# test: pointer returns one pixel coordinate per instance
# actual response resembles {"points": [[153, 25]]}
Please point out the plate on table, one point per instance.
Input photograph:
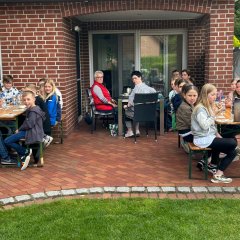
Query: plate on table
{"points": [[223, 120], [21, 106]]}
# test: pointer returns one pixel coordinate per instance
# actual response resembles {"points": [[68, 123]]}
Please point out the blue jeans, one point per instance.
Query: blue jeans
{"points": [[12, 140], [3, 149]]}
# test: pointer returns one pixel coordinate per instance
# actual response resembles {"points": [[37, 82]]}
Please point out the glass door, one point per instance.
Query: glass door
{"points": [[159, 56]]}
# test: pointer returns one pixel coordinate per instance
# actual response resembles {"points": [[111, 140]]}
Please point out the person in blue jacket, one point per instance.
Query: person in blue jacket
{"points": [[52, 102]]}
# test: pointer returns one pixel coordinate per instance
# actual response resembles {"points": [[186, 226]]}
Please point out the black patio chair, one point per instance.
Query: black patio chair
{"points": [[95, 113], [144, 111]]}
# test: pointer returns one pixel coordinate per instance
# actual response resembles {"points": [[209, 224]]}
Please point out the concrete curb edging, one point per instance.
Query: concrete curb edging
{"points": [[118, 190]]}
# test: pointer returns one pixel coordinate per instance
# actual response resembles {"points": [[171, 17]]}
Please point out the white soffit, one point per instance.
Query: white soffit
{"points": [[137, 15]]}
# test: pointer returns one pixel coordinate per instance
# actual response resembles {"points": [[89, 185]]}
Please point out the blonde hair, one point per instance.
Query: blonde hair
{"points": [[31, 87], [203, 98], [51, 82], [28, 92]]}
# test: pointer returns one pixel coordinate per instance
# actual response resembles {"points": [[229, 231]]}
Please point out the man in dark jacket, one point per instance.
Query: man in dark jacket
{"points": [[31, 129]]}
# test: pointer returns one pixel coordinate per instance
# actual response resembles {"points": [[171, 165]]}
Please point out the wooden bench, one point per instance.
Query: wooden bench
{"points": [[192, 149]]}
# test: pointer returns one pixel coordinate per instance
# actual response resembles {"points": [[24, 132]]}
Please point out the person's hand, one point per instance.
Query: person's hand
{"points": [[218, 135], [16, 131], [114, 105], [113, 101], [125, 106], [228, 102]]}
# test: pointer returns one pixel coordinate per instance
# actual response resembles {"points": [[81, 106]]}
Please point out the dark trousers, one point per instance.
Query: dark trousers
{"points": [[223, 145]]}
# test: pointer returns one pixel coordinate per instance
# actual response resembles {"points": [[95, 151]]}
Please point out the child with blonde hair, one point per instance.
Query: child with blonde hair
{"points": [[205, 133]]}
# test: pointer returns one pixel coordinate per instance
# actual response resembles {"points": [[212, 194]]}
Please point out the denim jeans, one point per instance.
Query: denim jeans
{"points": [[12, 140], [3, 149]]}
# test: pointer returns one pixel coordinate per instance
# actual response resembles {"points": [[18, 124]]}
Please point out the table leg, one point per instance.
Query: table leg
{"points": [[120, 123], [161, 117]]}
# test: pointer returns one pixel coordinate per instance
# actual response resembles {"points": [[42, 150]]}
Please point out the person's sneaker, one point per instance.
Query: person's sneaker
{"points": [[201, 164], [8, 161], [47, 140], [236, 158], [129, 134], [137, 133], [212, 168], [221, 179], [237, 149], [26, 158]]}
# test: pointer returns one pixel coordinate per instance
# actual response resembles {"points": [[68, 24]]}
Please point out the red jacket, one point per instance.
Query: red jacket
{"points": [[99, 105]]}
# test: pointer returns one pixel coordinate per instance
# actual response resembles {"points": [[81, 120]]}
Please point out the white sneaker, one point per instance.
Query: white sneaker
{"points": [[25, 159], [220, 179], [137, 133], [129, 134], [47, 140]]}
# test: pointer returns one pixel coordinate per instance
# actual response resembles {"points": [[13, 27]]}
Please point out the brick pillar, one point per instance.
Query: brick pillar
{"points": [[219, 49]]}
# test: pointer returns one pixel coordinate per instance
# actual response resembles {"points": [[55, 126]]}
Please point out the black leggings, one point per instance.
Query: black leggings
{"points": [[223, 145]]}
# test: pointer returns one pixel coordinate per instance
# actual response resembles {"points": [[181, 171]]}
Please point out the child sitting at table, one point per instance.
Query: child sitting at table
{"points": [[52, 101], [205, 133], [9, 93], [31, 130]]}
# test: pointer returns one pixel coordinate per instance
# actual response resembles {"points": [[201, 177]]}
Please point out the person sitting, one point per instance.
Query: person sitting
{"points": [[205, 133], [9, 93], [41, 83], [101, 96], [46, 123], [31, 130], [140, 87], [52, 102], [184, 112]]}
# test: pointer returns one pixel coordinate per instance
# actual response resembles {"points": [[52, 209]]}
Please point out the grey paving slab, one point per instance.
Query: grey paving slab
{"points": [[109, 189], [215, 189], [138, 189], [153, 189], [54, 193], [82, 191], [5, 201], [68, 192], [123, 190], [23, 198], [96, 190], [168, 189], [199, 189], [184, 189], [39, 195]]}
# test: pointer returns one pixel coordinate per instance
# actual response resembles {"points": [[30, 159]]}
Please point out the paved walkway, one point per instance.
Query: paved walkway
{"points": [[90, 161]]}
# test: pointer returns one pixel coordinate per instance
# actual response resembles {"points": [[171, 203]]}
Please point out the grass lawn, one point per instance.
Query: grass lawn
{"points": [[123, 219]]}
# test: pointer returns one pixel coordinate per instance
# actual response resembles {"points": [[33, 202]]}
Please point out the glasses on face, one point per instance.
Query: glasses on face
{"points": [[99, 77]]}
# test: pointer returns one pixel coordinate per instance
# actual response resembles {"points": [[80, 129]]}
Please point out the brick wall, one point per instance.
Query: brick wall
{"points": [[37, 41]]}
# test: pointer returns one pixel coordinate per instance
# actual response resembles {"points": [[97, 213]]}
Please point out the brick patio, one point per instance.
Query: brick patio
{"points": [[98, 160]]}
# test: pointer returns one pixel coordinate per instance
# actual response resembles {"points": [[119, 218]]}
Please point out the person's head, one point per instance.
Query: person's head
{"points": [[28, 98], [49, 87], [175, 74], [173, 84], [98, 76], [233, 84], [179, 83], [41, 83], [31, 87], [190, 93], [186, 74], [7, 81], [208, 95], [237, 87], [136, 77]]}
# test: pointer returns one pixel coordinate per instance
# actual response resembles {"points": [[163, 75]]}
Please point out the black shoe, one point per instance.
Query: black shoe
{"points": [[8, 161], [201, 165]]}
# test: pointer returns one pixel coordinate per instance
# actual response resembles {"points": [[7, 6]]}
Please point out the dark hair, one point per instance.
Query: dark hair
{"points": [[136, 73], [238, 81], [175, 70], [179, 81], [187, 71], [7, 78], [187, 87]]}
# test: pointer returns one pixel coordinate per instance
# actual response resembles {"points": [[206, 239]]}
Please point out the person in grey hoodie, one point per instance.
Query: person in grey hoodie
{"points": [[205, 133], [31, 130]]}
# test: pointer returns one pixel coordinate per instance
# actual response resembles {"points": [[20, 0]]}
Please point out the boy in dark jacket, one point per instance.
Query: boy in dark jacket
{"points": [[31, 129]]}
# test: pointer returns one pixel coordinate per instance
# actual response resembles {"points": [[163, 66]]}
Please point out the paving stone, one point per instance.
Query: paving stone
{"points": [[215, 189], [199, 189], [82, 191], [138, 189], [153, 189], [184, 189], [109, 189], [54, 193], [96, 190], [5, 201], [123, 190], [168, 189], [23, 198], [68, 192], [39, 195], [229, 189]]}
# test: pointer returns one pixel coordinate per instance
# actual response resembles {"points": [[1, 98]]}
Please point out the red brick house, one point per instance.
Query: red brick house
{"points": [[68, 40]]}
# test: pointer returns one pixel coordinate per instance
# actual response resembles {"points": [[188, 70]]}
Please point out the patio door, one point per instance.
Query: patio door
{"points": [[159, 56], [156, 54], [114, 55]]}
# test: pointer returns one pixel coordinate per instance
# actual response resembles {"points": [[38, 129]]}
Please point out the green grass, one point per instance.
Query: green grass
{"points": [[123, 219]]}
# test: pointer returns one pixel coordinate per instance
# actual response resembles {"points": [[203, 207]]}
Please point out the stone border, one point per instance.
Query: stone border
{"points": [[120, 191]]}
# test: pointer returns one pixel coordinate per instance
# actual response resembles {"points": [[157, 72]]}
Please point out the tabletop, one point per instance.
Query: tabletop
{"points": [[11, 112]]}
